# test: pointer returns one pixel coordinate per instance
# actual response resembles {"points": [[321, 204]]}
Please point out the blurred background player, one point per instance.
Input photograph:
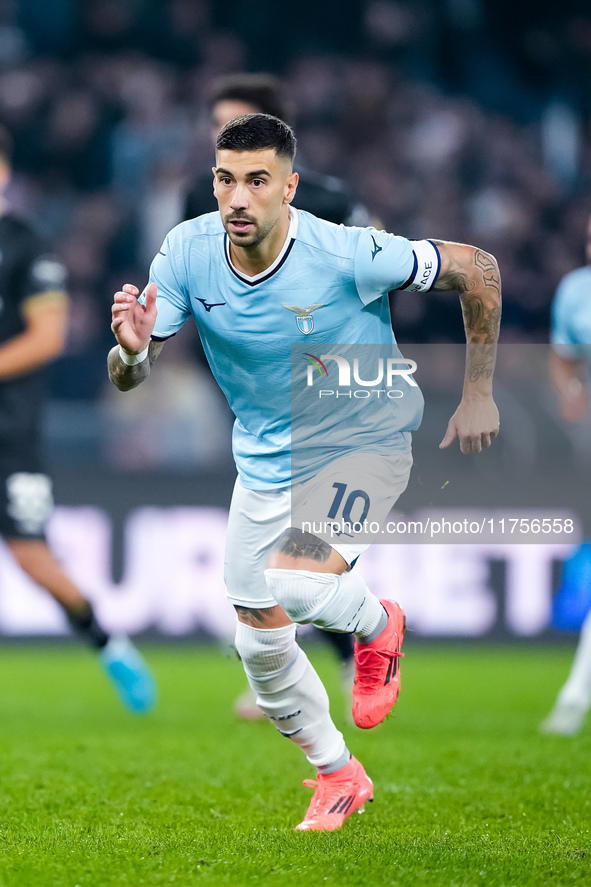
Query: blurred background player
{"points": [[33, 325], [570, 363], [324, 196]]}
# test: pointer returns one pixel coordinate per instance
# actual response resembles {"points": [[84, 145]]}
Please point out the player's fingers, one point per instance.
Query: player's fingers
{"points": [[450, 436], [485, 441], [470, 445], [130, 288], [123, 297], [151, 292]]}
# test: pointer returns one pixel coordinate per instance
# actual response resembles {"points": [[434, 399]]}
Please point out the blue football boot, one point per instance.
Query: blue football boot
{"points": [[129, 674]]}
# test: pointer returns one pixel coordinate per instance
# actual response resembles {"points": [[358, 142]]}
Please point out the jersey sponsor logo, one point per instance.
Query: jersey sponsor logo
{"points": [[209, 305], [304, 319], [376, 249]]}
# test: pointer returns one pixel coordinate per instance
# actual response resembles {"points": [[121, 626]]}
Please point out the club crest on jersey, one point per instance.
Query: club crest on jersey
{"points": [[304, 319]]}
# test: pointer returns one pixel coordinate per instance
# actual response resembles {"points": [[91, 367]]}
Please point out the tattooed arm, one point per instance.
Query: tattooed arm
{"points": [[475, 275], [133, 323], [126, 377]]}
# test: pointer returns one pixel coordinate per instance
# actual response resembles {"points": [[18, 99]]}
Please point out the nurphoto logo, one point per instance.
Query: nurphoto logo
{"points": [[385, 373]]}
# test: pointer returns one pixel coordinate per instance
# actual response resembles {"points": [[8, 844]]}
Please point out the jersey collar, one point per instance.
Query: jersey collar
{"points": [[279, 261]]}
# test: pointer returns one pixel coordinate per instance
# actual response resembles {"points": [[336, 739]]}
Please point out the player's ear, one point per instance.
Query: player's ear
{"points": [[213, 169], [291, 185]]}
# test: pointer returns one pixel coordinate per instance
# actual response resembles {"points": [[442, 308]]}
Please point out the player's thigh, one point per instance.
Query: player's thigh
{"points": [[256, 521], [347, 503]]}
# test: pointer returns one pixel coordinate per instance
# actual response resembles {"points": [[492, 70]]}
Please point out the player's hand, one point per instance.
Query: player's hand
{"points": [[133, 323], [475, 423]]}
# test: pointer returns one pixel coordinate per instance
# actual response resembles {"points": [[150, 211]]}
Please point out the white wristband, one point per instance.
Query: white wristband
{"points": [[132, 359]]}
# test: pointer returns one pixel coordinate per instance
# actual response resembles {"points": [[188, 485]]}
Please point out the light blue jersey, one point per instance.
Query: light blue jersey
{"points": [[571, 315], [329, 284]]}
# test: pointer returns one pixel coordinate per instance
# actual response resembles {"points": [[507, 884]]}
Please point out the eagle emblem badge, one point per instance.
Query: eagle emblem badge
{"points": [[304, 319]]}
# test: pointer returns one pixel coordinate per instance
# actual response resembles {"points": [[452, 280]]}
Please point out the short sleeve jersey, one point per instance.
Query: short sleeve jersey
{"points": [[571, 315], [27, 269], [329, 284]]}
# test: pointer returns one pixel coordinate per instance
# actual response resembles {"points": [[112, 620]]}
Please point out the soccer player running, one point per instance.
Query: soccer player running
{"points": [[570, 363], [33, 323], [239, 273], [231, 96]]}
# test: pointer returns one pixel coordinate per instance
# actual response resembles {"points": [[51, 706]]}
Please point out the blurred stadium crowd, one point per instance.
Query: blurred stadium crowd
{"points": [[459, 120]]}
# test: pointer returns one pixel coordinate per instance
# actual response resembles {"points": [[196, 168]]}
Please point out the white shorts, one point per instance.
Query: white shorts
{"points": [[341, 498]]}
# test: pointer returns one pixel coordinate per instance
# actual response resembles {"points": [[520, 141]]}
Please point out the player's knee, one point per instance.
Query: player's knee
{"points": [[303, 594]]}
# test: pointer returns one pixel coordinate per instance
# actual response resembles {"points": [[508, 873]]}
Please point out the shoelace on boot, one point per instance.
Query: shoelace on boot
{"points": [[370, 669], [332, 794]]}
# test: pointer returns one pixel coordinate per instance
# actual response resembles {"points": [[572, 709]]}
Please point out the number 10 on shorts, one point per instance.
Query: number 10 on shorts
{"points": [[350, 502]]}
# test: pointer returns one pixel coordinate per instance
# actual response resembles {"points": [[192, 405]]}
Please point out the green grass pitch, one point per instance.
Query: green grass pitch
{"points": [[467, 793]]}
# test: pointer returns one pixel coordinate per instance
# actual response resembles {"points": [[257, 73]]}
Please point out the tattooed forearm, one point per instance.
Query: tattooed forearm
{"points": [[296, 543], [480, 363], [481, 371], [126, 377], [481, 318], [475, 275]]}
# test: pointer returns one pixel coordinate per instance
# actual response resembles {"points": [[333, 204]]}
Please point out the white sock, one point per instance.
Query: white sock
{"points": [[375, 617], [289, 691], [335, 603], [577, 689]]}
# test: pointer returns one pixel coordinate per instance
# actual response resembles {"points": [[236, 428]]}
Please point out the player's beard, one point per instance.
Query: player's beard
{"points": [[260, 232]]}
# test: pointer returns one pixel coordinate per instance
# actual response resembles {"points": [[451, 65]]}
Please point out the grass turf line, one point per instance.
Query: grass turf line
{"points": [[467, 792]]}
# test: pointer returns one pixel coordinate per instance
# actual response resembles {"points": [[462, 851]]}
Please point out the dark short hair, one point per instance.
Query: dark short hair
{"points": [[255, 132], [264, 91], [6, 145]]}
